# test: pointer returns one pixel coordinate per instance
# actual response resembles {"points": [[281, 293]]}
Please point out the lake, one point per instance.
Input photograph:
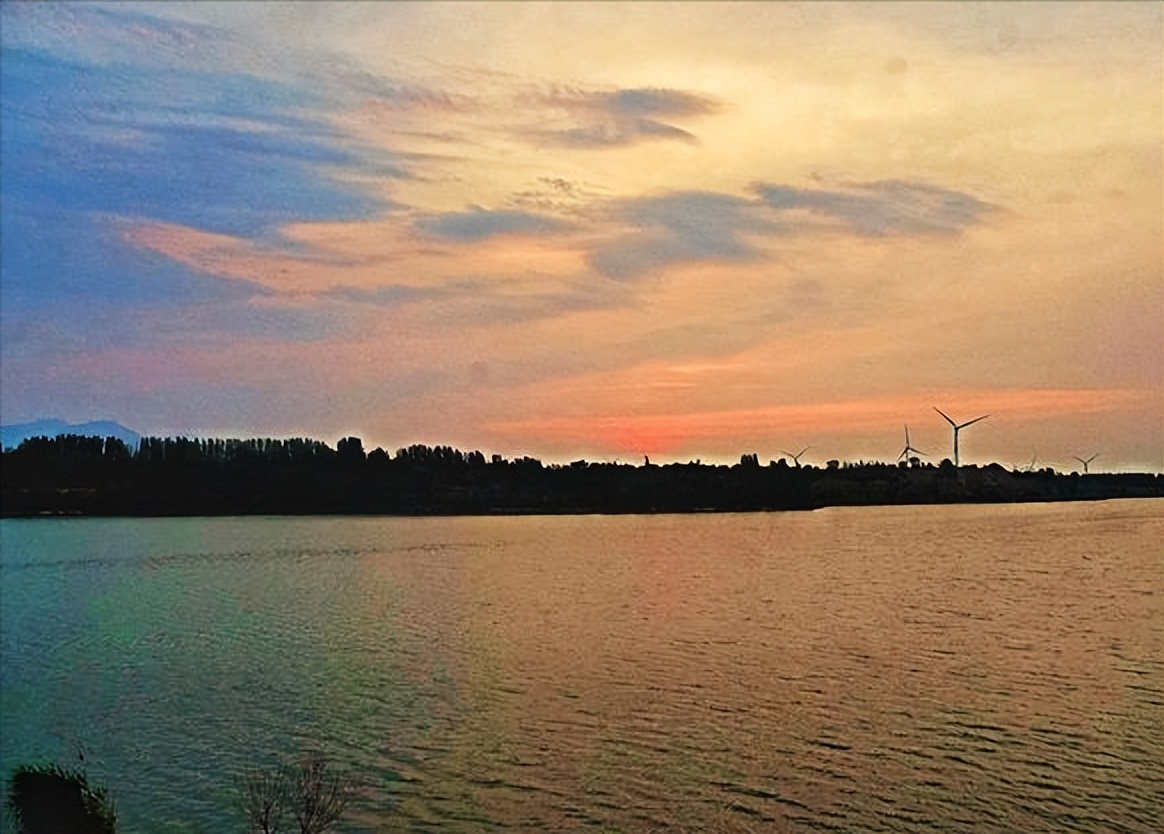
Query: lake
{"points": [[954, 668]]}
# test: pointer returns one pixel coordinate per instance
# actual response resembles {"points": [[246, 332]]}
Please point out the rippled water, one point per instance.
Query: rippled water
{"points": [[977, 668]]}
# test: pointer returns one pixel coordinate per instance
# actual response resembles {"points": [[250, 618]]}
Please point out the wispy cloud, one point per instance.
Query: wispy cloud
{"points": [[377, 90], [683, 226], [480, 224], [105, 36], [648, 102], [109, 114], [220, 151], [710, 226], [388, 295], [487, 304], [481, 291], [556, 195], [888, 207], [616, 118]]}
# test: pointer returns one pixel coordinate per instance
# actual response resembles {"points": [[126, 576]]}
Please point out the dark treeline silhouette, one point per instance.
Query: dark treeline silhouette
{"points": [[188, 476]]}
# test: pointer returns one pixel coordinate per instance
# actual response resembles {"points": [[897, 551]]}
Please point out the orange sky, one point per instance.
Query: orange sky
{"points": [[594, 230]]}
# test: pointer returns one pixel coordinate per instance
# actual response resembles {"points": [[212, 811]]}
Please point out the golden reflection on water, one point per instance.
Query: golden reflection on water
{"points": [[772, 669]]}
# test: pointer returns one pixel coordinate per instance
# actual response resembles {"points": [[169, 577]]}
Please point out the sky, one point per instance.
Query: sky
{"points": [[591, 230]]}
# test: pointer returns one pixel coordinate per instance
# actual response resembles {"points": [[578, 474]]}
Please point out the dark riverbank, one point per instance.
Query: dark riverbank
{"points": [[87, 476]]}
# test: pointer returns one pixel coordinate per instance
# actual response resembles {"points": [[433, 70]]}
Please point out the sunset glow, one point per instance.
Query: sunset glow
{"points": [[600, 230]]}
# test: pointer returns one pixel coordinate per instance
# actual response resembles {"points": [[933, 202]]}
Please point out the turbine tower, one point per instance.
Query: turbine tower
{"points": [[796, 457], [957, 428], [908, 448], [1087, 461]]}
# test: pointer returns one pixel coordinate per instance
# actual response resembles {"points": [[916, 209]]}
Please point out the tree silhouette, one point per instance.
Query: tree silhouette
{"points": [[308, 794], [350, 450]]}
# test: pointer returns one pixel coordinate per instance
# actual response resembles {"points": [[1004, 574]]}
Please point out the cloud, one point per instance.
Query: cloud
{"points": [[682, 226], [221, 151], [709, 226], [393, 93], [388, 295], [481, 224], [439, 290], [279, 267], [878, 209], [556, 194], [607, 119], [109, 115], [116, 36], [616, 133], [56, 261], [476, 301], [653, 102]]}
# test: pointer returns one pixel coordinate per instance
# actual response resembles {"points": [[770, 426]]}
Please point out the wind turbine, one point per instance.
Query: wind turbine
{"points": [[908, 448], [957, 428], [1087, 461], [796, 457]]}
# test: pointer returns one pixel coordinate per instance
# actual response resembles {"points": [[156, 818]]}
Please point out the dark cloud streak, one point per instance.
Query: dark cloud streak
{"points": [[647, 102], [611, 119], [683, 226], [879, 209], [695, 226], [614, 133]]}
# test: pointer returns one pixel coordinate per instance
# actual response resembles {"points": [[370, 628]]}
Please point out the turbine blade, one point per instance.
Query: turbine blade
{"points": [[972, 422], [948, 420]]}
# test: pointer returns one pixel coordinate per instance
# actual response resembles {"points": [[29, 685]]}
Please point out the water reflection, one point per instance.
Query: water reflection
{"points": [[785, 670], [874, 669]]}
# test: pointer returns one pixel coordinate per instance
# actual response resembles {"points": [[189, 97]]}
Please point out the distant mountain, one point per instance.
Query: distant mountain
{"points": [[12, 436]]}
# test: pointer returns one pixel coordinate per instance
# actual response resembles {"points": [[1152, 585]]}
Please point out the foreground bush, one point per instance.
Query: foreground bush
{"points": [[49, 799]]}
